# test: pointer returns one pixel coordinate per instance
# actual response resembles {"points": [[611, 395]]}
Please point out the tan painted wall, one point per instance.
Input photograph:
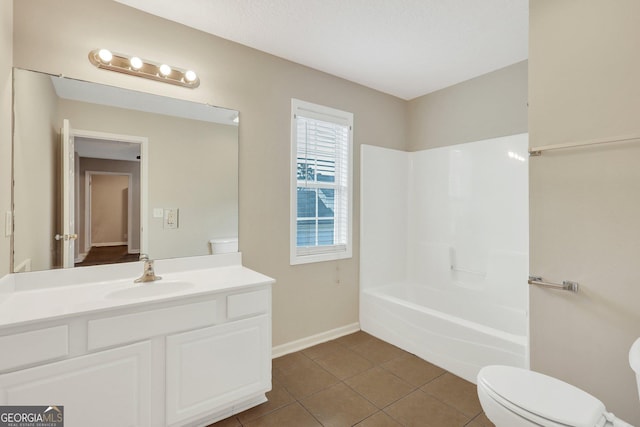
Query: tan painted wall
{"points": [[6, 54], [36, 162], [109, 206], [307, 299], [488, 106], [584, 83]]}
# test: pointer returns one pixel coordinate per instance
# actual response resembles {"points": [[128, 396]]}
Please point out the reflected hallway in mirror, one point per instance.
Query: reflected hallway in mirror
{"points": [[192, 169]]}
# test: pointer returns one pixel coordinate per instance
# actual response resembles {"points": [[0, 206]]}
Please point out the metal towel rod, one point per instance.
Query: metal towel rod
{"points": [[566, 285], [537, 151]]}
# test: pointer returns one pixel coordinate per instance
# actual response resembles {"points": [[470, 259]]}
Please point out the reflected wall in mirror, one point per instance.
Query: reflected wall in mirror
{"points": [[119, 202]]}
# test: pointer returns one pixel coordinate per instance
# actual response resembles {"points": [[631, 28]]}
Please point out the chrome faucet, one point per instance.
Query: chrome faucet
{"points": [[148, 274]]}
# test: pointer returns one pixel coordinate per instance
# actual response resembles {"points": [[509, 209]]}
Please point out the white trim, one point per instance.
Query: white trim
{"points": [[297, 259], [316, 339], [106, 244], [144, 179], [144, 196], [334, 252]]}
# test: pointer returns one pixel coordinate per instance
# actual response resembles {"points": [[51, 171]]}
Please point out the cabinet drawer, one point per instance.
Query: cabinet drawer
{"points": [[33, 347], [138, 326], [248, 303]]}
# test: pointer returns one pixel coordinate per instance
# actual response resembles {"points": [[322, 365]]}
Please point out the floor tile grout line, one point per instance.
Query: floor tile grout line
{"points": [[381, 409], [309, 412], [449, 405], [442, 401], [413, 390], [374, 364], [406, 382]]}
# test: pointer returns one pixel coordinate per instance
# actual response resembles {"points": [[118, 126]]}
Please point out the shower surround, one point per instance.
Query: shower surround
{"points": [[444, 252]]}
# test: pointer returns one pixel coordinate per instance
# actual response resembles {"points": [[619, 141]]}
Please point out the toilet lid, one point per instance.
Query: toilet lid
{"points": [[542, 395]]}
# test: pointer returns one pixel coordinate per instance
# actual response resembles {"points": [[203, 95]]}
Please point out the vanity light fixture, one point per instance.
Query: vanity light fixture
{"points": [[136, 63], [105, 56], [135, 66], [165, 70]]}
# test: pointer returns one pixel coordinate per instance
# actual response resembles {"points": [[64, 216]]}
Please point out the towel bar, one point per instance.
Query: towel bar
{"points": [[566, 285]]}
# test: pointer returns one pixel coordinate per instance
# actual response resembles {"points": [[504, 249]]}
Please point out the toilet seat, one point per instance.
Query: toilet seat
{"points": [[541, 399]]}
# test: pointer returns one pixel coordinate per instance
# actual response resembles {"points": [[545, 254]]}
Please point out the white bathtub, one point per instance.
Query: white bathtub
{"points": [[462, 335]]}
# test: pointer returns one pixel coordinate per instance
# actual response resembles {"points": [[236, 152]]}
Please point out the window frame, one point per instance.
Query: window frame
{"points": [[311, 254]]}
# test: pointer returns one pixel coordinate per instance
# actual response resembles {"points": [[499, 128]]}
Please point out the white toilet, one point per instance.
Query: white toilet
{"points": [[515, 397], [224, 245]]}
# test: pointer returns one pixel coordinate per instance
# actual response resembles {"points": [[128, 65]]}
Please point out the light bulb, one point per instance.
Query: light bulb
{"points": [[165, 70], [190, 76], [105, 55], [135, 62]]}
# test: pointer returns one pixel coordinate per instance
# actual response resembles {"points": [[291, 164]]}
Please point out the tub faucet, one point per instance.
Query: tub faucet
{"points": [[148, 275]]}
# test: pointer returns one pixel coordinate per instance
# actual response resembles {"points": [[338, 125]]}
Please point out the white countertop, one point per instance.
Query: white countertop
{"points": [[22, 301]]}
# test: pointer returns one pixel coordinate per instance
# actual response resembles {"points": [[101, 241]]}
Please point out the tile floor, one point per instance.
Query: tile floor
{"points": [[359, 380]]}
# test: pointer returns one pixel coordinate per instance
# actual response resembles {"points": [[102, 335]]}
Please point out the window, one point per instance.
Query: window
{"points": [[321, 177]]}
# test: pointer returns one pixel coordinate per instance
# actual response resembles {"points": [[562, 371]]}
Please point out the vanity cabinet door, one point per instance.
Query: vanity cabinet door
{"points": [[109, 388], [212, 369]]}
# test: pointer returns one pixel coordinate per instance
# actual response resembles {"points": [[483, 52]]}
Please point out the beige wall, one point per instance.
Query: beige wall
{"points": [[109, 205], [6, 54], [36, 162], [488, 106], [584, 69], [307, 299], [584, 83]]}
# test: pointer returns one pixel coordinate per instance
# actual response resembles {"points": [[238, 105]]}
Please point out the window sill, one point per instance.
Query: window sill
{"points": [[311, 258]]}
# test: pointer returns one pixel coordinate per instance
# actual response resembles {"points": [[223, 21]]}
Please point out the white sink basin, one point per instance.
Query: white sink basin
{"points": [[150, 289]]}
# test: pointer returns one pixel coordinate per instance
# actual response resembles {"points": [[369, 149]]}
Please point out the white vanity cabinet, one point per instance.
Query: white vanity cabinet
{"points": [[108, 388], [187, 361], [216, 368]]}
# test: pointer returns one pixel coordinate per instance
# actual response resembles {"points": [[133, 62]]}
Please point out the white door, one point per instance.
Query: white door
{"points": [[69, 235]]}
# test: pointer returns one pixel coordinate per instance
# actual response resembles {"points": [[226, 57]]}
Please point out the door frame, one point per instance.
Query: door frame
{"points": [[144, 178]]}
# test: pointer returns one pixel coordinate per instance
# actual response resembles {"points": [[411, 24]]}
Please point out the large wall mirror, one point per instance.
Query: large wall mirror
{"points": [[102, 174]]}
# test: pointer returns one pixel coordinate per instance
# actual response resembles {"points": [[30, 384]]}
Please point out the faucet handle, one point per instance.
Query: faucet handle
{"points": [[143, 257]]}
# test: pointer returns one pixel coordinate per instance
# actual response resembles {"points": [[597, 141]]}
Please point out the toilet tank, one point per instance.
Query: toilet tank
{"points": [[634, 361], [224, 245]]}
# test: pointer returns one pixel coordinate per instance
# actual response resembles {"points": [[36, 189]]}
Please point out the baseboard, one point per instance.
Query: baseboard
{"points": [[307, 342], [100, 245]]}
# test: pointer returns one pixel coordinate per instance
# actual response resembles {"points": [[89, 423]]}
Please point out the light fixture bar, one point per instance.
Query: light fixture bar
{"points": [[134, 66]]}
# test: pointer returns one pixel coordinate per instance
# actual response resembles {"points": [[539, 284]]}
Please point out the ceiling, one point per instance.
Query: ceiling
{"points": [[406, 48]]}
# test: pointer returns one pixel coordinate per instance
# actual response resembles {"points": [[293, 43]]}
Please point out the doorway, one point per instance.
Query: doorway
{"points": [[109, 181], [110, 210]]}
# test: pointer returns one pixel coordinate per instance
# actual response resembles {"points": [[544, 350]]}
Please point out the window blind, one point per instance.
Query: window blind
{"points": [[323, 179]]}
